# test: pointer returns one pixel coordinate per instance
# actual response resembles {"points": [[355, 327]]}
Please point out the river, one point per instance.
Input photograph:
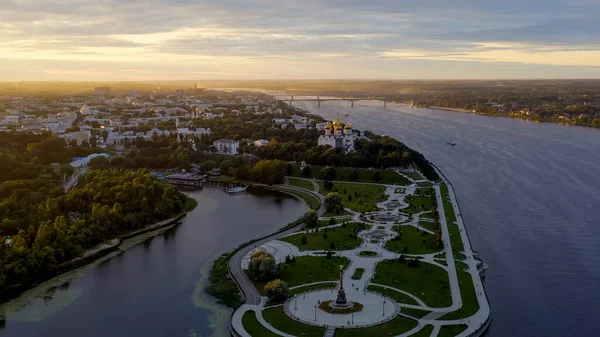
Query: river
{"points": [[530, 197], [155, 287]]}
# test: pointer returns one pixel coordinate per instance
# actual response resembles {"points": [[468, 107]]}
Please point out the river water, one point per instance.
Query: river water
{"points": [[530, 197], [155, 288]]}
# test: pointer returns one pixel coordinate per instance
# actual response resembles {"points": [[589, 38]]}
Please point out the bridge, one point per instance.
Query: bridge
{"points": [[291, 100]]}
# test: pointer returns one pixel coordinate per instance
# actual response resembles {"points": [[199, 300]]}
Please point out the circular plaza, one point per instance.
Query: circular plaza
{"points": [[376, 309]]}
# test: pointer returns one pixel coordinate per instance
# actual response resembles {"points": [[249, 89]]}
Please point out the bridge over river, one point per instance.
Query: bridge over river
{"points": [[318, 99]]}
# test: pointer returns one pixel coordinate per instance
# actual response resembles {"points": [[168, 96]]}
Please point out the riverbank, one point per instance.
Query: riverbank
{"points": [[93, 254], [554, 120]]}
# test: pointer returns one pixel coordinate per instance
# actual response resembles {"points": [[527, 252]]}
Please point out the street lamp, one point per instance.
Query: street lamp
{"points": [[383, 308], [295, 302], [352, 317], [315, 312]]}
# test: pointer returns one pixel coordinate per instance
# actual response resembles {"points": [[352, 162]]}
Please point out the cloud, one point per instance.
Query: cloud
{"points": [[216, 36]]}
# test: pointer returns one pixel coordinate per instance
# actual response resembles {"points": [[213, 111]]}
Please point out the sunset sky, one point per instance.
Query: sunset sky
{"points": [[348, 39]]}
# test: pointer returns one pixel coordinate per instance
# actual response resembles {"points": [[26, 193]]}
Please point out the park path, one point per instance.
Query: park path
{"points": [[280, 249]]}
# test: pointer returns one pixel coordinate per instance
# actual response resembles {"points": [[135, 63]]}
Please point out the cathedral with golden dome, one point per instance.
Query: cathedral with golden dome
{"points": [[338, 135]]}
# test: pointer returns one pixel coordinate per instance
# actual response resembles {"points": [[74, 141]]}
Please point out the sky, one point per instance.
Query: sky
{"points": [[98, 40]]}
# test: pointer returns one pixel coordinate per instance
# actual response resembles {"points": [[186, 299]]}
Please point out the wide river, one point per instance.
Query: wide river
{"points": [[155, 288], [530, 197]]}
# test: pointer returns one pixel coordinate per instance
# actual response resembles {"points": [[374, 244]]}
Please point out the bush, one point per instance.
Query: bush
{"points": [[276, 290]]}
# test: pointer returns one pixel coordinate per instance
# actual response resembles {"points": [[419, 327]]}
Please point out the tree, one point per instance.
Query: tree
{"points": [[276, 290], [327, 173], [209, 165], [311, 218], [333, 203], [263, 267], [327, 185], [376, 177], [307, 172], [303, 240]]}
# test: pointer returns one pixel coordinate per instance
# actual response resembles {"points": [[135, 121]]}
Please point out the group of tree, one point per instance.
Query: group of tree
{"points": [[263, 268], [105, 204]]}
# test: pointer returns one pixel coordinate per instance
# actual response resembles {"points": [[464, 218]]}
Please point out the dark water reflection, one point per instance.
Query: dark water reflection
{"points": [[530, 196], [147, 291]]}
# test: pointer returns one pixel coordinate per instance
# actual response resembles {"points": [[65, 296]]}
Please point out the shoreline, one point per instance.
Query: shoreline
{"points": [[88, 257], [550, 120]]}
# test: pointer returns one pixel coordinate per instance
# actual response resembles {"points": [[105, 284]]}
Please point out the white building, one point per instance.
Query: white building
{"points": [[338, 136], [227, 146]]}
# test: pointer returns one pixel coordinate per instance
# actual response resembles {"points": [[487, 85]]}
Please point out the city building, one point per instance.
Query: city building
{"points": [[227, 146], [338, 136]]}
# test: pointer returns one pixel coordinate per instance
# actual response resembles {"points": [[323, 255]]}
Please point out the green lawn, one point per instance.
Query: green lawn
{"points": [[456, 241], [428, 282], [448, 209], [344, 212], [394, 327], [313, 201], [428, 225], [282, 322], [415, 241], [451, 330], [418, 204], [367, 253], [299, 290], [319, 269], [358, 273], [253, 326], [395, 295], [428, 215], [414, 175], [470, 305], [337, 238], [358, 197], [415, 312], [424, 332], [302, 184], [424, 184], [366, 176]]}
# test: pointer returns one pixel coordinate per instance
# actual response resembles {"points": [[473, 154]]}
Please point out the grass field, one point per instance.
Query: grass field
{"points": [[428, 282], [394, 327], [337, 238], [428, 225], [451, 330], [415, 312], [309, 269], [253, 326], [312, 201], [456, 241], [358, 273], [424, 332], [282, 322], [366, 176], [395, 295], [302, 184], [415, 241], [413, 175], [357, 197], [424, 184], [448, 209], [418, 204], [467, 292], [299, 290]]}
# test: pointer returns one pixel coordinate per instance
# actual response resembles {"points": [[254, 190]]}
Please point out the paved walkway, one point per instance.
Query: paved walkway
{"points": [[304, 306]]}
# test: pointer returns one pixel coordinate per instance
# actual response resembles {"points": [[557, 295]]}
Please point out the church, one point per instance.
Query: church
{"points": [[338, 136]]}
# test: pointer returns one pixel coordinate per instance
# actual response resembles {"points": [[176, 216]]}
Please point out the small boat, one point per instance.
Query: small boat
{"points": [[347, 115], [238, 189], [451, 143]]}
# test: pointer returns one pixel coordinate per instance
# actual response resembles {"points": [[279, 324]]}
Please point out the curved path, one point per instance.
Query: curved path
{"points": [[252, 295]]}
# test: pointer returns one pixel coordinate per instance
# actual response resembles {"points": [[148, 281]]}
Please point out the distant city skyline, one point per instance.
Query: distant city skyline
{"points": [[84, 40]]}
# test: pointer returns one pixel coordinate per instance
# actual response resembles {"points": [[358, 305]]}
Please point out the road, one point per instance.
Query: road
{"points": [[252, 295]]}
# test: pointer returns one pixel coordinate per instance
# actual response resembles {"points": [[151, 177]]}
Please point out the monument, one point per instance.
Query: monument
{"points": [[341, 301]]}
